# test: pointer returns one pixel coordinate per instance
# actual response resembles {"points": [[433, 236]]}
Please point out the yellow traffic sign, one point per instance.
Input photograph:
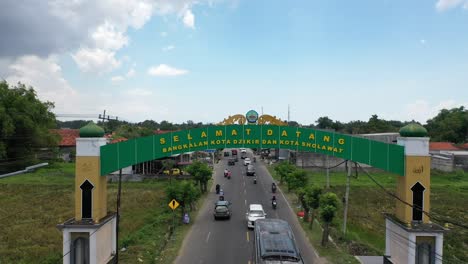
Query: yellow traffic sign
{"points": [[173, 204]]}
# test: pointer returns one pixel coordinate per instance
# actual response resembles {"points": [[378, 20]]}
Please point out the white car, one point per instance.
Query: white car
{"points": [[243, 150], [255, 212], [246, 161]]}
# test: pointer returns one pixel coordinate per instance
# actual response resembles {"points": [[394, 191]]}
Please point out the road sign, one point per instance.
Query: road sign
{"points": [[210, 150], [173, 204]]}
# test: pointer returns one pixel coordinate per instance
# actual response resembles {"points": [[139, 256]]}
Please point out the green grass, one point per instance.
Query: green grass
{"points": [[367, 203], [33, 204]]}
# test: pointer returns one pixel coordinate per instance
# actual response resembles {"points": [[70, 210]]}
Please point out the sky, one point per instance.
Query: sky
{"points": [[205, 60]]}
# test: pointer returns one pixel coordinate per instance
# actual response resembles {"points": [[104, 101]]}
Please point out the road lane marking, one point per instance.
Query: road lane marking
{"points": [[245, 191], [208, 237], [248, 240]]}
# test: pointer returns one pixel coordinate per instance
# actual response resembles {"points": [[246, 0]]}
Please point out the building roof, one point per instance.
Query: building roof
{"points": [[464, 146], [442, 146], [68, 136], [159, 131]]}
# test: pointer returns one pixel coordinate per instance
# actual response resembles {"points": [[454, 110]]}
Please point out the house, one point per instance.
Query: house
{"points": [[67, 144], [445, 156]]}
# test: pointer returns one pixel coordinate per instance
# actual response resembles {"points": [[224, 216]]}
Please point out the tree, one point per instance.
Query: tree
{"points": [[183, 192], [324, 122], [24, 126], [201, 173], [449, 125], [328, 206], [296, 179], [312, 199], [283, 169]]}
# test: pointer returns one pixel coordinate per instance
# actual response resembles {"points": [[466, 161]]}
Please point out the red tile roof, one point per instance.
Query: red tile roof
{"points": [[442, 146], [117, 140], [464, 146], [158, 132], [68, 136]]}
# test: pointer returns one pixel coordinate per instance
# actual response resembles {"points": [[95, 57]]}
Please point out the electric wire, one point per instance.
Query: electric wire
{"points": [[431, 215]]}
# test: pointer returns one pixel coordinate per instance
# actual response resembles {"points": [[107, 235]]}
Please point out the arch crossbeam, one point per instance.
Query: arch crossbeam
{"points": [[389, 157]]}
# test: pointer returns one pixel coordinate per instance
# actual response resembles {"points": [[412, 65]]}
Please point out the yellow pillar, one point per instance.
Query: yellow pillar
{"points": [[87, 175], [417, 175]]}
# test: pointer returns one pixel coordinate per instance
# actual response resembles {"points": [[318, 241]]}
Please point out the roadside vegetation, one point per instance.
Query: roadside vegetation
{"points": [[367, 204], [33, 204]]}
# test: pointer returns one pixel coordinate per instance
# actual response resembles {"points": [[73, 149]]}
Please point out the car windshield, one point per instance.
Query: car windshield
{"points": [[256, 213], [247, 159], [222, 209]]}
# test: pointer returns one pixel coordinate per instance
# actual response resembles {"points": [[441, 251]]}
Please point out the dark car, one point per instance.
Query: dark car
{"points": [[232, 162], [222, 210], [226, 154]]}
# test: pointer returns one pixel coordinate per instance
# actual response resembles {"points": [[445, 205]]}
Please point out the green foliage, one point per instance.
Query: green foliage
{"points": [[184, 192], [201, 173], [24, 126], [132, 131], [296, 179], [283, 169], [449, 125]]}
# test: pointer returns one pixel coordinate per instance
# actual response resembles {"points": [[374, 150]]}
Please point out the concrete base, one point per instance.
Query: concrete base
{"points": [[83, 240], [405, 244]]}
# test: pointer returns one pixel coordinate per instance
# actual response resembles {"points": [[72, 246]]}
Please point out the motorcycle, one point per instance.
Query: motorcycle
{"points": [[229, 176], [255, 180], [273, 188], [273, 204], [217, 188]]}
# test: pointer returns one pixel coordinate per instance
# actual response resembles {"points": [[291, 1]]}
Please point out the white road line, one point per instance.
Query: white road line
{"points": [[245, 202], [208, 237], [245, 191]]}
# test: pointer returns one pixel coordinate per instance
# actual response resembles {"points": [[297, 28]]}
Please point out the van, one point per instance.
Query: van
{"points": [[274, 242], [250, 170]]}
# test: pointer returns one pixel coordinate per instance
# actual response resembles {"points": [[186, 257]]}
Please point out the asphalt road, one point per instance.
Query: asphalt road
{"points": [[230, 241]]}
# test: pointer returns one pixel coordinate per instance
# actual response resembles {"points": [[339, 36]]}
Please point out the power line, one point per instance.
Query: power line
{"points": [[431, 215]]}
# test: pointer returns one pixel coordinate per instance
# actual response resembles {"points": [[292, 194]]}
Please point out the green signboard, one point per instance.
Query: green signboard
{"points": [[389, 157]]}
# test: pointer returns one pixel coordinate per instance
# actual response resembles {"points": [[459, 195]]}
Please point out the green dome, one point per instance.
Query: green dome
{"points": [[91, 130], [413, 130]]}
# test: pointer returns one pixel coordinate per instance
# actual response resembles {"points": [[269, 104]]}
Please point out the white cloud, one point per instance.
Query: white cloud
{"points": [[117, 78], [189, 19], [95, 60], [165, 70], [108, 37], [138, 92], [130, 73], [168, 48], [45, 76], [422, 110], [443, 5], [163, 34]]}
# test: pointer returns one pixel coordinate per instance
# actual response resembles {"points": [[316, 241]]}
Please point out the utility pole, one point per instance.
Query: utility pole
{"points": [[118, 218], [105, 117], [345, 214], [328, 172]]}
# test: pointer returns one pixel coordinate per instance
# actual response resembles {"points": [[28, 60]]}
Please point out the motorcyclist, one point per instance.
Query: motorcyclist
{"points": [[273, 187], [229, 174], [225, 172], [273, 202], [217, 188]]}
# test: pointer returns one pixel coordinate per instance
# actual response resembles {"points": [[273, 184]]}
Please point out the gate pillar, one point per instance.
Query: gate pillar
{"points": [[410, 236], [90, 236]]}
